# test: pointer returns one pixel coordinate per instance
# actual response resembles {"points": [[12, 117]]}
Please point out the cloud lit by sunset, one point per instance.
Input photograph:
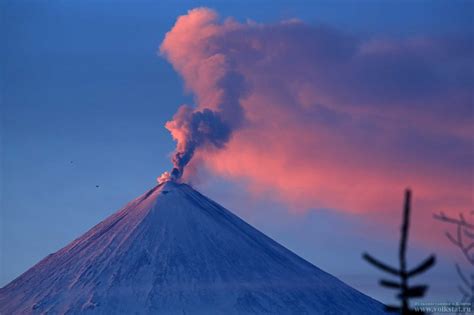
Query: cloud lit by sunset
{"points": [[332, 119]]}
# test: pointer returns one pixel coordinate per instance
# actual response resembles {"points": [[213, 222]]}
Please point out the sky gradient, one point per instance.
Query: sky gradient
{"points": [[353, 103]]}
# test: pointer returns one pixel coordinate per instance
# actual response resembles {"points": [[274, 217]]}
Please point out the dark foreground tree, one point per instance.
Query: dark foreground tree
{"points": [[464, 240], [405, 291]]}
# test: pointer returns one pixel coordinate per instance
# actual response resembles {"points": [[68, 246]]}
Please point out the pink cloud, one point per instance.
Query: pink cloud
{"points": [[330, 119]]}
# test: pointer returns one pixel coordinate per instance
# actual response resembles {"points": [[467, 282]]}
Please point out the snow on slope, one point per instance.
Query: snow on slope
{"points": [[174, 251]]}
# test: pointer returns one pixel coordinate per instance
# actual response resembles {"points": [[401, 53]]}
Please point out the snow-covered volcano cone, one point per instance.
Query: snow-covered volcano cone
{"points": [[174, 251]]}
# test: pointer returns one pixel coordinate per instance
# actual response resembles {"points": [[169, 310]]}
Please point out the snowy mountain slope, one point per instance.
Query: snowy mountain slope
{"points": [[174, 251]]}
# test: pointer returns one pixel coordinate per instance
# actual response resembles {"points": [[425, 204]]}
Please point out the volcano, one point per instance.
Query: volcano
{"points": [[174, 251]]}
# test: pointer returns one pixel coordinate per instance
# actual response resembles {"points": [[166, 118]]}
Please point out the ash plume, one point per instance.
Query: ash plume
{"points": [[321, 117], [216, 83], [206, 128], [193, 129]]}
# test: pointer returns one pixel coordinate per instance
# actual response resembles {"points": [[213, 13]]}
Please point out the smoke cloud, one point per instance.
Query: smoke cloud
{"points": [[194, 129], [325, 118], [215, 82]]}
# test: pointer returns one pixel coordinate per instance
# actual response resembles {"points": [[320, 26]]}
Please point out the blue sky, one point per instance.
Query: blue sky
{"points": [[84, 100]]}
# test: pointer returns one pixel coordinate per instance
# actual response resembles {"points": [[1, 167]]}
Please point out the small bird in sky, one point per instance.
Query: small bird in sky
{"points": [[97, 186]]}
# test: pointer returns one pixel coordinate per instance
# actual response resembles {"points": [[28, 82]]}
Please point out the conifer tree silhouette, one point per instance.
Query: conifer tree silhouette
{"points": [[406, 292]]}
